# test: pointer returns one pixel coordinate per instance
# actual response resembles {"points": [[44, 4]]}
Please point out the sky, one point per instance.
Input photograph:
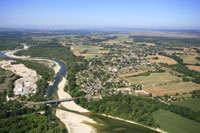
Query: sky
{"points": [[100, 13]]}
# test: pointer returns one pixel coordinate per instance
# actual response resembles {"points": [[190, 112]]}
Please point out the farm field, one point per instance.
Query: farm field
{"points": [[88, 51], [189, 59], [194, 104], [172, 122], [131, 74], [153, 79], [161, 59], [195, 68], [172, 88]]}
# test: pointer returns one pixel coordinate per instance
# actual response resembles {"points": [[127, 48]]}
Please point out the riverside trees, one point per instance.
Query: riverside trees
{"points": [[135, 108]]}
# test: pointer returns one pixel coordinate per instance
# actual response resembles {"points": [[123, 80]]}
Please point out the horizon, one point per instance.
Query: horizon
{"points": [[61, 14]]}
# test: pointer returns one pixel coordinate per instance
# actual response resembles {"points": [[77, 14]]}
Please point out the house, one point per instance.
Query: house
{"points": [[112, 69]]}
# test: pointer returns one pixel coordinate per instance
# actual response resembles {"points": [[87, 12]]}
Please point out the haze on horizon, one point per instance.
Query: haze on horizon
{"points": [[100, 13]]}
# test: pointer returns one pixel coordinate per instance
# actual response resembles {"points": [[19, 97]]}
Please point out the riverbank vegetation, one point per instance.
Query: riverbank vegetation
{"points": [[135, 108]]}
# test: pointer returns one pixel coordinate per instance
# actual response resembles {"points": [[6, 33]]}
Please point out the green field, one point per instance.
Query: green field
{"points": [[194, 104], [154, 78], [172, 122]]}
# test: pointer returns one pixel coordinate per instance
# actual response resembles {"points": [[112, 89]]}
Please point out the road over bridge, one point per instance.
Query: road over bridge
{"points": [[60, 100], [50, 102]]}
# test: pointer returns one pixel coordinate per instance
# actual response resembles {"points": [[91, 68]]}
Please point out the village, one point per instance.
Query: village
{"points": [[124, 69], [102, 75]]}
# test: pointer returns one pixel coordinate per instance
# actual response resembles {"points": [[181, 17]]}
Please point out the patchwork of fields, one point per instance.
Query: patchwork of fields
{"points": [[160, 84]]}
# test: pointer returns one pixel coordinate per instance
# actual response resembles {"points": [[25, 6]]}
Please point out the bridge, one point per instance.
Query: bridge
{"points": [[50, 102], [59, 100]]}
